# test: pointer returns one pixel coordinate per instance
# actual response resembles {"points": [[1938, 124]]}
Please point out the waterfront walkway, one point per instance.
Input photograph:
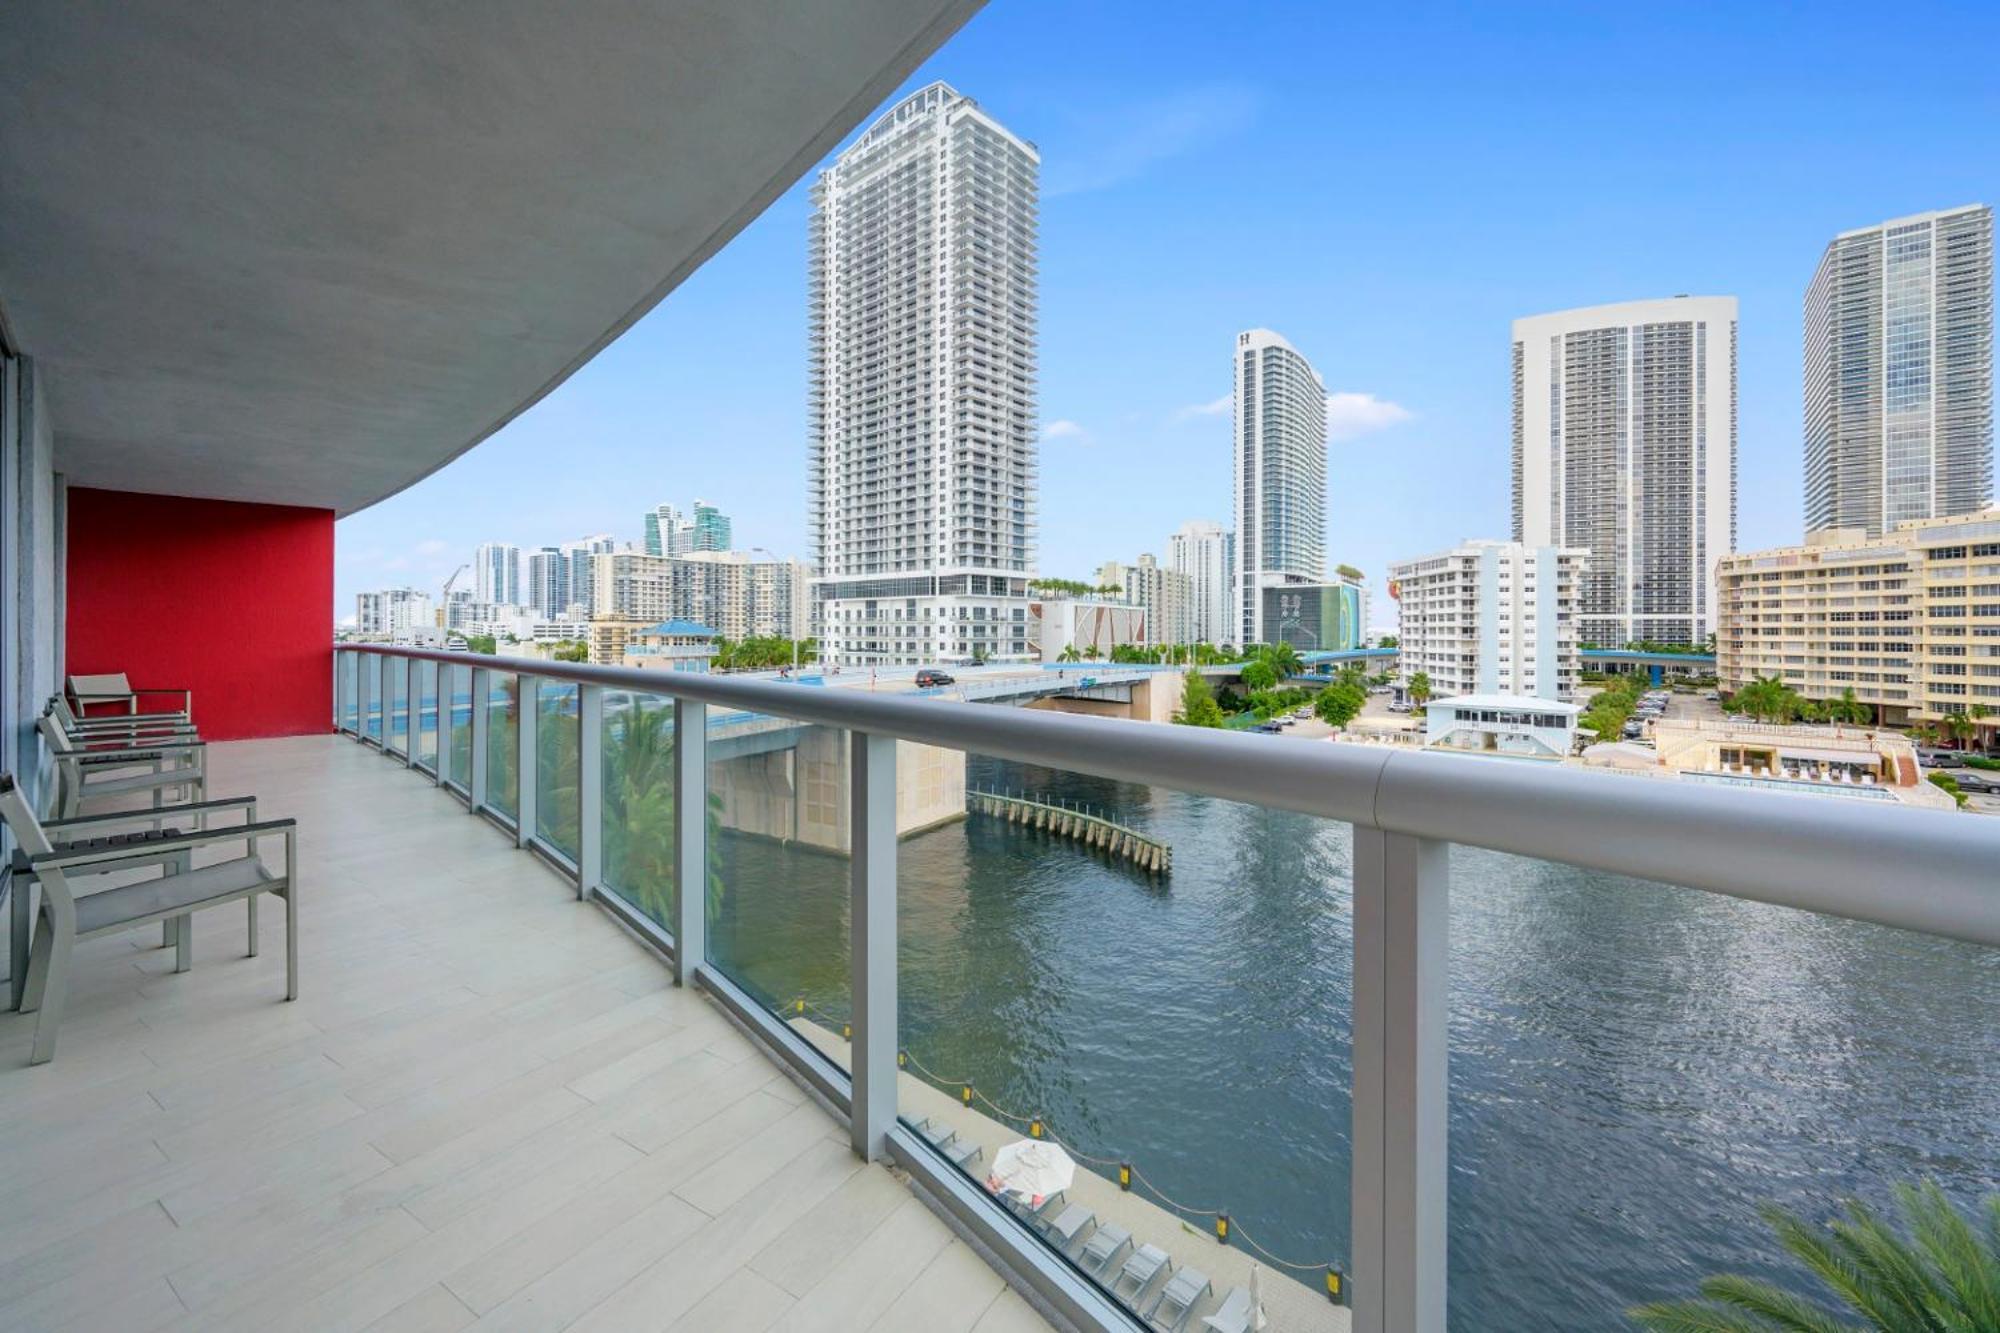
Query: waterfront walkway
{"points": [[1289, 1302]]}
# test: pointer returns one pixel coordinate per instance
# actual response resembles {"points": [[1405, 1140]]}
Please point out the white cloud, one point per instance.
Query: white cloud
{"points": [[1064, 430], [1214, 409], [432, 547], [1349, 416]]}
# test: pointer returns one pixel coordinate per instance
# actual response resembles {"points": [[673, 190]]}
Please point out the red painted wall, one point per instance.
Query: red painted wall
{"points": [[232, 600]]}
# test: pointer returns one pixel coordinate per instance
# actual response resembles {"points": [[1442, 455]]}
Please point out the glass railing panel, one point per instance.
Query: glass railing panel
{"points": [[395, 685], [372, 671], [1636, 1069], [350, 673], [458, 711], [638, 807], [777, 891], [1150, 988], [556, 760], [503, 742], [427, 714]]}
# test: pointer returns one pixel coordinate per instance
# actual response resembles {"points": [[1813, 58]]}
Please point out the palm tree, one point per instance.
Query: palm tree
{"points": [[1939, 1273], [1283, 657], [1069, 653], [1420, 689], [1959, 728], [1847, 708]]}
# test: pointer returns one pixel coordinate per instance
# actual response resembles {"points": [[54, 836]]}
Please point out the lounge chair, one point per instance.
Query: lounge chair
{"points": [[960, 1153], [1103, 1247], [1176, 1300], [179, 890], [1233, 1315], [113, 689], [1063, 1229], [1141, 1268], [1033, 1213]]}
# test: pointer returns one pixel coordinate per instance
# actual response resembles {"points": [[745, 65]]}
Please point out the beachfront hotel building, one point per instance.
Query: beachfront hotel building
{"points": [[1910, 621], [1491, 618], [1205, 552], [1279, 478], [1625, 445], [922, 452], [1899, 372]]}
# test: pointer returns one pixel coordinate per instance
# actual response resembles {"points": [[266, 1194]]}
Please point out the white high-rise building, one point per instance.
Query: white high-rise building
{"points": [[1280, 475], [1162, 594], [548, 581], [496, 574], [922, 466], [1490, 618], [1899, 373], [1204, 552], [579, 569], [392, 611], [1625, 445]]}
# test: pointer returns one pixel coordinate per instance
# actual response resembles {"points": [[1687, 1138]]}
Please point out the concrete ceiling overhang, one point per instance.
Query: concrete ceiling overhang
{"points": [[309, 253]]}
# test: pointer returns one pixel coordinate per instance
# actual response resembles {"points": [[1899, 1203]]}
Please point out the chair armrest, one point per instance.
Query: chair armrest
{"points": [[240, 833], [131, 722], [149, 750], [162, 812]]}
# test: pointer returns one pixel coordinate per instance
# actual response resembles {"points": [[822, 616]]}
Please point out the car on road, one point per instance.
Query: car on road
{"points": [[930, 676]]}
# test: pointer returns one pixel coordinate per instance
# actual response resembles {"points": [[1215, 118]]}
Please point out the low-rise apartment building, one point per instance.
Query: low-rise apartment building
{"points": [[1910, 620], [1491, 618]]}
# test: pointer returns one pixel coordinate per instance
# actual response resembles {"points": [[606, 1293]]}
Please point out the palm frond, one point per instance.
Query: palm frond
{"points": [[1964, 1268], [1777, 1307], [1695, 1317]]}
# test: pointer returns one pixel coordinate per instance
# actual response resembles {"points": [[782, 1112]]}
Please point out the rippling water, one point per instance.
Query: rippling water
{"points": [[1633, 1068]]}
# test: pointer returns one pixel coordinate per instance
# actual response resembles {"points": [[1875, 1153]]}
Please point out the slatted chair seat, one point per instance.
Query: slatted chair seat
{"points": [[166, 896]]}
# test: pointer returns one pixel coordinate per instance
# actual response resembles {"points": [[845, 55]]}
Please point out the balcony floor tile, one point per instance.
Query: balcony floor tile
{"points": [[489, 1108]]}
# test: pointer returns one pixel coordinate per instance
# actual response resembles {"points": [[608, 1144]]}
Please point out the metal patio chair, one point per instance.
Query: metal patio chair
{"points": [[1140, 1269], [152, 767], [1177, 1299], [69, 912], [118, 726], [114, 689], [1103, 1247]]}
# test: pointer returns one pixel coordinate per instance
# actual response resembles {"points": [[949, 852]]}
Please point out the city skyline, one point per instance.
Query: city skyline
{"points": [[1129, 387]]}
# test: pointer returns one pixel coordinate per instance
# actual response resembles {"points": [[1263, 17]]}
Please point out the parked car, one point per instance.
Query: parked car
{"points": [[1941, 759], [930, 676]]}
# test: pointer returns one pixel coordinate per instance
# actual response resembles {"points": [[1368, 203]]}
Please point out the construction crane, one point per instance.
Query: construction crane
{"points": [[444, 598]]}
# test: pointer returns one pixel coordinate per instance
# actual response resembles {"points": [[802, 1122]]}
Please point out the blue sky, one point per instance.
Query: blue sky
{"points": [[1387, 186]]}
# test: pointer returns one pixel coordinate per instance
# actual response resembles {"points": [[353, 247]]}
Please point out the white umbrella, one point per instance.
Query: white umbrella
{"points": [[1257, 1319], [1034, 1168]]}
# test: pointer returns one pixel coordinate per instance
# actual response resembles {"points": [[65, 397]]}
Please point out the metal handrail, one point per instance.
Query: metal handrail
{"points": [[1927, 870]]}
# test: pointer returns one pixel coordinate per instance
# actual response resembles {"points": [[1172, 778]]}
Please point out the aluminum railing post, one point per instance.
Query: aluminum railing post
{"points": [[361, 697], [412, 714], [871, 823], [378, 698], [527, 723], [475, 781], [444, 677], [690, 838], [589, 789], [1400, 1096]]}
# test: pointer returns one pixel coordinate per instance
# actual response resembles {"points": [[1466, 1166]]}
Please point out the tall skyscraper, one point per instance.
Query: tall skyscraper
{"points": [[1279, 477], [548, 581], [1899, 372], [1203, 551], [496, 574], [663, 523], [1625, 446], [710, 529], [921, 409]]}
